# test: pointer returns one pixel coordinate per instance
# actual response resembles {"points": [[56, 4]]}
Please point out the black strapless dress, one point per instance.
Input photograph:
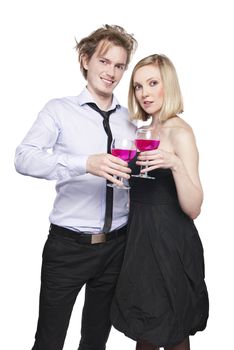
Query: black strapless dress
{"points": [[161, 296]]}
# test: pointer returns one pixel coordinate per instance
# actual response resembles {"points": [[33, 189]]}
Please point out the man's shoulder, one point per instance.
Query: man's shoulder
{"points": [[127, 123], [61, 101], [123, 109]]}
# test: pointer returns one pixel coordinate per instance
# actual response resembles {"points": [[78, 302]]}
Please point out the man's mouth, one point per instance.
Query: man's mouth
{"points": [[108, 82]]}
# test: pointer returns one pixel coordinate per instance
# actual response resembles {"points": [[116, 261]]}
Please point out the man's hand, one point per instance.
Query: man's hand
{"points": [[108, 166]]}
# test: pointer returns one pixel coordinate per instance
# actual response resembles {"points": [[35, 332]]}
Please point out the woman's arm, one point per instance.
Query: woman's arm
{"points": [[185, 172], [183, 162]]}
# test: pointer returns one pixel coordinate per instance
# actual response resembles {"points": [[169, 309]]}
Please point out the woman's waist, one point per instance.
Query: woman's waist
{"points": [[155, 201], [155, 193]]}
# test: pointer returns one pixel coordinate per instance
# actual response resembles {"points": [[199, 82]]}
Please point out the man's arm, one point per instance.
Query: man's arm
{"points": [[34, 156]]}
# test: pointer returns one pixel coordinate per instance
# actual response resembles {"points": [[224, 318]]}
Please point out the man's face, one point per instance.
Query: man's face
{"points": [[105, 69]]}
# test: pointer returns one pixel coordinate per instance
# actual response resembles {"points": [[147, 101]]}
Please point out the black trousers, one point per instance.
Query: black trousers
{"points": [[66, 267]]}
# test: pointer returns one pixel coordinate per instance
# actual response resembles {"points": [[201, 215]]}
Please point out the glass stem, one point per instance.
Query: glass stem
{"points": [[121, 179], [146, 173]]}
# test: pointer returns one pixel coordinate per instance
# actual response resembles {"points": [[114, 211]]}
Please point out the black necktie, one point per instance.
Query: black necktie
{"points": [[109, 190]]}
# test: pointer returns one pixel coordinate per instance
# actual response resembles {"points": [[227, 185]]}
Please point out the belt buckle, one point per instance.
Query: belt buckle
{"points": [[98, 238]]}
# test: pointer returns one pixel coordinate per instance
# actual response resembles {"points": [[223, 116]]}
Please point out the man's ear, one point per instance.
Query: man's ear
{"points": [[85, 61]]}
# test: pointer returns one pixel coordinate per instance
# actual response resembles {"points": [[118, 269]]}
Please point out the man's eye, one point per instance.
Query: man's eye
{"points": [[120, 67], [102, 61]]}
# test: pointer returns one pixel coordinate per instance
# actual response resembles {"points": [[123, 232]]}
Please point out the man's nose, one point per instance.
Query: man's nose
{"points": [[111, 71]]}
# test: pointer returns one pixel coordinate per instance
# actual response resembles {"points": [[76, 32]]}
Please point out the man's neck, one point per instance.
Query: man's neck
{"points": [[102, 100]]}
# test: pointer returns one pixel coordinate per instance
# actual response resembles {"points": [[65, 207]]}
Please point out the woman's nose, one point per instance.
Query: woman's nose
{"points": [[145, 92]]}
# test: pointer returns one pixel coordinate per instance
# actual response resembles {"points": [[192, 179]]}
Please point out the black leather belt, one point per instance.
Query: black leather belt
{"points": [[89, 237]]}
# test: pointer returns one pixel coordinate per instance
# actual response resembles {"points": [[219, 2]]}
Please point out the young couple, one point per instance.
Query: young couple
{"points": [[147, 280]]}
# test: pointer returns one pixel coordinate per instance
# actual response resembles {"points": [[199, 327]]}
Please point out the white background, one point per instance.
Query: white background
{"points": [[38, 63]]}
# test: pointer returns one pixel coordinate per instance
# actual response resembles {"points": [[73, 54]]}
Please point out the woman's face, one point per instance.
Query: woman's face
{"points": [[148, 89]]}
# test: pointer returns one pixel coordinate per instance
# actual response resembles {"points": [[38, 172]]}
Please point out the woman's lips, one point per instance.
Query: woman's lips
{"points": [[147, 103]]}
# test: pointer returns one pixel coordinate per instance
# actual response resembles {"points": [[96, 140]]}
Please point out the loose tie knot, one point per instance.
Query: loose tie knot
{"points": [[106, 124]]}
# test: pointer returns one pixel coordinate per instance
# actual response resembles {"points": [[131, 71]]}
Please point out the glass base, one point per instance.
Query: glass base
{"points": [[143, 176], [124, 187]]}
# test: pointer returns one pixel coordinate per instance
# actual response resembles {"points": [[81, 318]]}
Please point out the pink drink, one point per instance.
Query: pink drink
{"points": [[124, 154], [146, 145]]}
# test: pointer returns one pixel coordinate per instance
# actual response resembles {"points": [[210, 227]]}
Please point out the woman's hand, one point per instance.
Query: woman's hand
{"points": [[158, 159]]}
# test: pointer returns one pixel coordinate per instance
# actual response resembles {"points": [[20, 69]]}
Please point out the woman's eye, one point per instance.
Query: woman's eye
{"points": [[103, 61], [153, 83], [137, 87]]}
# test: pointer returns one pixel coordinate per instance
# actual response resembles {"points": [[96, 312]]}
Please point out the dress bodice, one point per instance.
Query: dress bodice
{"points": [[160, 190]]}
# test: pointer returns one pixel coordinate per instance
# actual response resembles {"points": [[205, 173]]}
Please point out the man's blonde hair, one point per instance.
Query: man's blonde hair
{"points": [[172, 102], [110, 35]]}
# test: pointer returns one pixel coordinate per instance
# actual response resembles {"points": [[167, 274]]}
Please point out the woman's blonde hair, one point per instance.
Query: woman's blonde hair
{"points": [[172, 102]]}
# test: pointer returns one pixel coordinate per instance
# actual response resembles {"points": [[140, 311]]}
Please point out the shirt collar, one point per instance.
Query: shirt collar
{"points": [[86, 97]]}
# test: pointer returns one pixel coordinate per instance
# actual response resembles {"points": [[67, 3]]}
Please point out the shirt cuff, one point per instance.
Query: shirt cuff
{"points": [[76, 165]]}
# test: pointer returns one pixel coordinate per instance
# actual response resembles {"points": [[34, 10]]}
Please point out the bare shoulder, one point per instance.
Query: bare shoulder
{"points": [[179, 131]]}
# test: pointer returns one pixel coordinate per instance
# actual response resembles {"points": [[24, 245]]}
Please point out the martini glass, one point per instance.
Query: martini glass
{"points": [[146, 140], [124, 149]]}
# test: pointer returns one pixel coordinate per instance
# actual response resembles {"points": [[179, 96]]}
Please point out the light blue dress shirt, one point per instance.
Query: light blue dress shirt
{"points": [[57, 146]]}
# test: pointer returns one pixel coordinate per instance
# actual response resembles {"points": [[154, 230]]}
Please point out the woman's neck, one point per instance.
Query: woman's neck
{"points": [[155, 124]]}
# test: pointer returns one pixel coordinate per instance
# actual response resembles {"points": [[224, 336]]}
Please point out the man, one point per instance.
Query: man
{"points": [[87, 236]]}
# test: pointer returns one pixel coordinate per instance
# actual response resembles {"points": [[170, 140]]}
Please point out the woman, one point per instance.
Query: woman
{"points": [[161, 297]]}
